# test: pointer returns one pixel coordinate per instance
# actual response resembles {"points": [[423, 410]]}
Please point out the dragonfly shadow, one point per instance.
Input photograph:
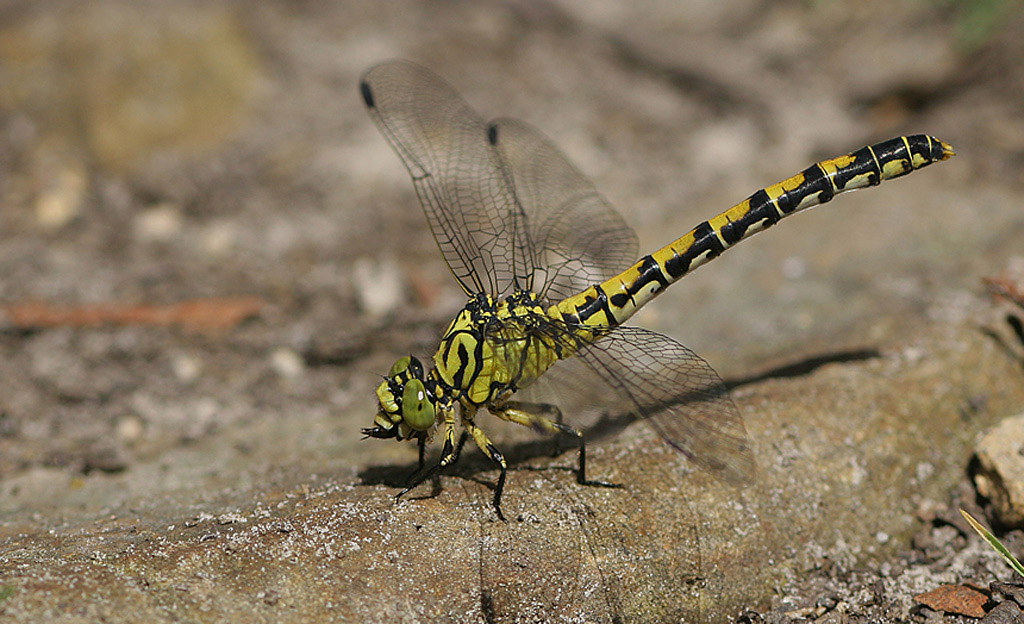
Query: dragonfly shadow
{"points": [[610, 424], [471, 462], [519, 455], [805, 366]]}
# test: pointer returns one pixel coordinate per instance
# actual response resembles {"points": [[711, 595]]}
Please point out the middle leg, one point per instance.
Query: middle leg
{"points": [[491, 451]]}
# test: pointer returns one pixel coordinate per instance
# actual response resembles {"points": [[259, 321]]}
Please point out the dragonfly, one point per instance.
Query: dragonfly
{"points": [[551, 273]]}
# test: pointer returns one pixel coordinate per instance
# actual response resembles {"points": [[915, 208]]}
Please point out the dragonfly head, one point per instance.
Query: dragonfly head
{"points": [[407, 406]]}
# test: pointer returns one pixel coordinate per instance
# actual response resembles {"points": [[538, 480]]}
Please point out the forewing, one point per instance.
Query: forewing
{"points": [[678, 394], [569, 236], [506, 207], [454, 169]]}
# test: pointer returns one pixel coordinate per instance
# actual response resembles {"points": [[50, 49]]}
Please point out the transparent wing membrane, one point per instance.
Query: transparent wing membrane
{"points": [[678, 393], [443, 144], [505, 206], [570, 237], [630, 370]]}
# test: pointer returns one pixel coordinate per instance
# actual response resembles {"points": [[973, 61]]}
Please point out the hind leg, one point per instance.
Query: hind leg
{"points": [[528, 415]]}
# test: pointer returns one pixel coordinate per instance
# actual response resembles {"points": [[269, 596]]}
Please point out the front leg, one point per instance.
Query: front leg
{"points": [[415, 476], [449, 453]]}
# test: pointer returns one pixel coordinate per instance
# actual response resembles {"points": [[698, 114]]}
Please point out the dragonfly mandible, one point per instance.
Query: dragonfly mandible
{"points": [[551, 272]]}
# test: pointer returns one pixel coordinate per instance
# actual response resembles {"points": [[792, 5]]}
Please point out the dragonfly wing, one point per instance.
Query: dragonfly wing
{"points": [[505, 206], [678, 394], [568, 237], [457, 176]]}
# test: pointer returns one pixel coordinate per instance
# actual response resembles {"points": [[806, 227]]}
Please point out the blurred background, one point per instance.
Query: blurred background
{"points": [[208, 253]]}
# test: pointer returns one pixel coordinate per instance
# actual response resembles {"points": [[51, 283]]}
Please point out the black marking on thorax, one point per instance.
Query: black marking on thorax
{"points": [[481, 309]]}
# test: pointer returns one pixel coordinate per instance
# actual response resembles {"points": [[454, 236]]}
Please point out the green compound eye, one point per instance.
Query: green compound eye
{"points": [[407, 365], [417, 410], [400, 365]]}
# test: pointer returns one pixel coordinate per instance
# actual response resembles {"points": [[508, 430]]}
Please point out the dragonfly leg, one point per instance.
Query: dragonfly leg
{"points": [[458, 447], [491, 451], [415, 477], [449, 453], [526, 414]]}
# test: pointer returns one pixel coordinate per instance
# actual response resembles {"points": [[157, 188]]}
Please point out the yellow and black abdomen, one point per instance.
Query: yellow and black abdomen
{"points": [[615, 300]]}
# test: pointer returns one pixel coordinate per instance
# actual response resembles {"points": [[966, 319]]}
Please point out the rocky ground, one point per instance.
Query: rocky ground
{"points": [[208, 255]]}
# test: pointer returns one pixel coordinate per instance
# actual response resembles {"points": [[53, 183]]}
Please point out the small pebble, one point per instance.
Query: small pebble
{"points": [[378, 286], [129, 429], [287, 363], [219, 239], [58, 205], [1000, 475], [186, 368], [159, 223]]}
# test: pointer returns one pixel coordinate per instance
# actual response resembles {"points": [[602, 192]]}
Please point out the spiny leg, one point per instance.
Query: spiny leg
{"points": [[526, 414], [448, 455], [458, 447], [422, 444], [491, 451]]}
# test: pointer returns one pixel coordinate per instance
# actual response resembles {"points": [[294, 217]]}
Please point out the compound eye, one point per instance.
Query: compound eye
{"points": [[400, 366], [415, 368], [417, 409]]}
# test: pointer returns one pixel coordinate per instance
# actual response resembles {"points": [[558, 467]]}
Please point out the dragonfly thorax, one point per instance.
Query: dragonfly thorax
{"points": [[491, 349], [494, 347]]}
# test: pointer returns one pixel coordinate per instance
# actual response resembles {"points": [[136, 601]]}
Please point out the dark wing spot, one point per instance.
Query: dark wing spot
{"points": [[364, 88]]}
